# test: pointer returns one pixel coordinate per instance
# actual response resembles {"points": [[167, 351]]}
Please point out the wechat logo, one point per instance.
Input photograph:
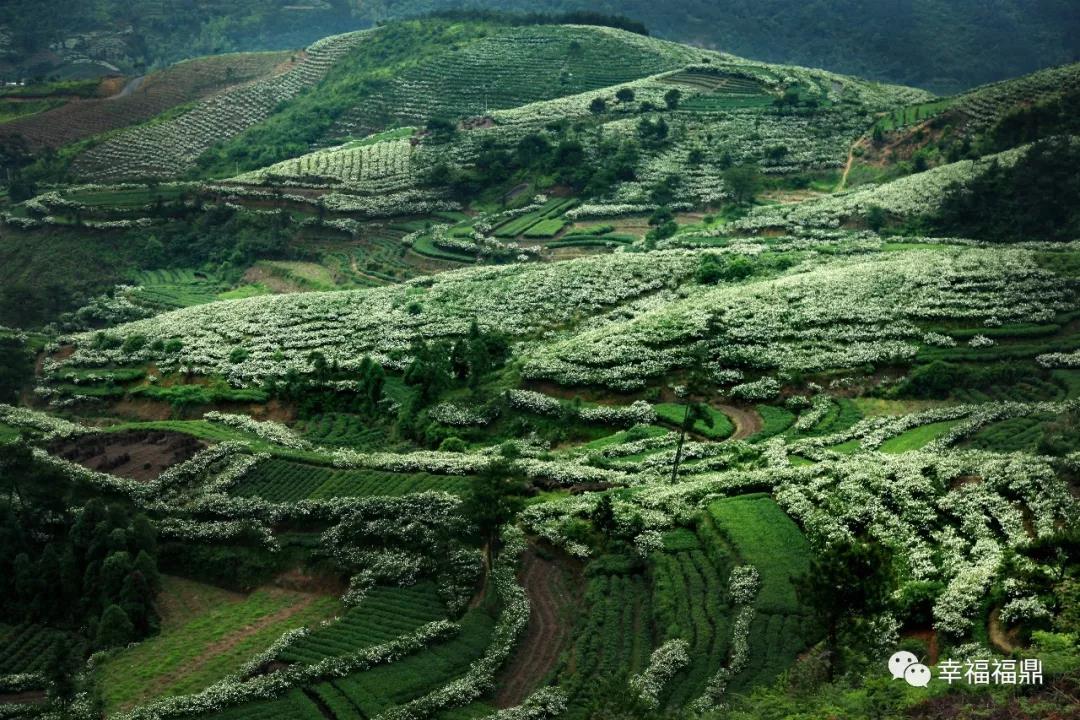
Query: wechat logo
{"points": [[905, 665]]}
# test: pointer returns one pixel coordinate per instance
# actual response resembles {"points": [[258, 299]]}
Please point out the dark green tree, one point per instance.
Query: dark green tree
{"points": [[16, 368], [114, 629], [846, 585], [743, 182], [672, 98], [494, 498]]}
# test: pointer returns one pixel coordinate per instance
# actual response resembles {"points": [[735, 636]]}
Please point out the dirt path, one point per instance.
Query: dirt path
{"points": [[746, 420], [132, 85], [847, 166], [999, 637], [553, 589]]}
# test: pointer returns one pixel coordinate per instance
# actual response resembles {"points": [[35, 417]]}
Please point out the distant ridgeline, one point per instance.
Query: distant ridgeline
{"points": [[941, 46]]}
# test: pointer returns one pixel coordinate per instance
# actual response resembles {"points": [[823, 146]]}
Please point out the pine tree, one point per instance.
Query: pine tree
{"points": [[137, 600], [115, 628], [61, 668], [146, 565], [50, 600], [113, 571], [143, 535]]}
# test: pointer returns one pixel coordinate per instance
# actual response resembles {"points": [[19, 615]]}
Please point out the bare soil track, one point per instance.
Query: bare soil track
{"points": [[746, 420], [554, 588]]}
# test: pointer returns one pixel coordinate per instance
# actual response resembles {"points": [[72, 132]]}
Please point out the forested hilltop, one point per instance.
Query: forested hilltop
{"points": [[466, 367], [940, 45]]}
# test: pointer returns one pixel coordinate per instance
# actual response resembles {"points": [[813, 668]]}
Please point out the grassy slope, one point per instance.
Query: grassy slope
{"points": [[207, 633]]}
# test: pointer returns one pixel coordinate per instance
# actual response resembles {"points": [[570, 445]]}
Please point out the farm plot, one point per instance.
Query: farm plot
{"points": [[841, 414], [170, 289], [181, 83], [25, 648], [285, 481], [917, 437], [342, 430], [673, 414], [367, 694], [1014, 435], [135, 454], [384, 614], [765, 537], [689, 602], [170, 147], [913, 114], [613, 641], [544, 222], [515, 66]]}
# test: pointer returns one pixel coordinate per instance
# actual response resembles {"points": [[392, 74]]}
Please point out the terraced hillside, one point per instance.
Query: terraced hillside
{"points": [[468, 368], [143, 98]]}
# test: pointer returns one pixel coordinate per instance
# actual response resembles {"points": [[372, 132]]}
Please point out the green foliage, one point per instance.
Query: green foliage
{"points": [[775, 420], [719, 428], [313, 392], [16, 367], [613, 639], [690, 602], [115, 629], [493, 499], [1058, 115], [939, 378], [672, 98], [727, 268], [766, 538], [285, 481], [743, 182], [236, 567], [67, 571], [1031, 199], [27, 647], [384, 614], [846, 584]]}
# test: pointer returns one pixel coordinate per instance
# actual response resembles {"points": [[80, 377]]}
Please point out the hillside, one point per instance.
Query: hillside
{"points": [[941, 46], [460, 368]]}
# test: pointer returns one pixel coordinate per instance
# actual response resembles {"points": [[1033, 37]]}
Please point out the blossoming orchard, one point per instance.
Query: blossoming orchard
{"points": [[483, 366]]}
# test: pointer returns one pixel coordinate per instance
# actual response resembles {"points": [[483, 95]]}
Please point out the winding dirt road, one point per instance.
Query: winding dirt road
{"points": [[554, 589], [746, 420]]}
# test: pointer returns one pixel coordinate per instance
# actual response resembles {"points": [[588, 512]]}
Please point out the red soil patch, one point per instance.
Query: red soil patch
{"points": [[26, 697], [555, 589], [159, 92], [137, 454]]}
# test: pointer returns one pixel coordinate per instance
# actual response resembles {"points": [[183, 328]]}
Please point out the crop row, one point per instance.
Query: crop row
{"points": [[294, 705], [367, 694], [342, 430], [689, 602], [384, 614], [284, 481], [614, 640], [25, 648], [171, 146]]}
